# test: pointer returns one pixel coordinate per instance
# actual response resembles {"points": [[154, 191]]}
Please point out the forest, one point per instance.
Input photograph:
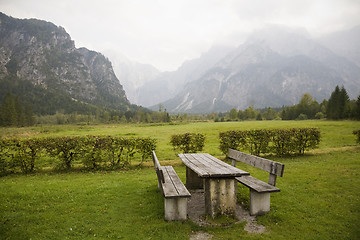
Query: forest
{"points": [[18, 113]]}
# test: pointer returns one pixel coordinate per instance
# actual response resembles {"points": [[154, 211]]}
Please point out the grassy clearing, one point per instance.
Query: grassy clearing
{"points": [[319, 198]]}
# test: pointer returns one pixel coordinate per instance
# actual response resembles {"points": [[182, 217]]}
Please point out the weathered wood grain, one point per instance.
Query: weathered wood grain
{"points": [[206, 166], [170, 184], [173, 185], [256, 184], [157, 167], [270, 166]]}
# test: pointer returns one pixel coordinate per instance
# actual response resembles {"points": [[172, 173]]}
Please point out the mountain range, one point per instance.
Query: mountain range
{"points": [[274, 67], [39, 62]]}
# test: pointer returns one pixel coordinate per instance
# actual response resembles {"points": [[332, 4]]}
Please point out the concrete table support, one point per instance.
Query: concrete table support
{"points": [[217, 178], [220, 196], [193, 181]]}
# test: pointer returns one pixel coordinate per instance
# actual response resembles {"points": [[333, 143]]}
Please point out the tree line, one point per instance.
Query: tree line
{"points": [[337, 107], [15, 113]]}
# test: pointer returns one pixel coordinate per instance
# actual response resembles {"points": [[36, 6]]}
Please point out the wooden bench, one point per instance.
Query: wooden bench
{"points": [[174, 191], [259, 190]]}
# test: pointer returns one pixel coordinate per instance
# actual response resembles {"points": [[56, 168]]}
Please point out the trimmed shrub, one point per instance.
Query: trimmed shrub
{"points": [[232, 139], [188, 142], [93, 152], [258, 141], [278, 141]]}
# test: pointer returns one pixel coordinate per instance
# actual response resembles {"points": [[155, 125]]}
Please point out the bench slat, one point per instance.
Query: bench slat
{"points": [[178, 184], [173, 186], [270, 166], [157, 166], [256, 184]]}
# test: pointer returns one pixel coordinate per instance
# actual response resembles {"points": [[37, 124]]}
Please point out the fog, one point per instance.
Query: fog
{"points": [[165, 33]]}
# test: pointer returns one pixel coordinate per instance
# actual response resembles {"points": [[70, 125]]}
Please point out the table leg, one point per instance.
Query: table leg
{"points": [[220, 196], [193, 181]]}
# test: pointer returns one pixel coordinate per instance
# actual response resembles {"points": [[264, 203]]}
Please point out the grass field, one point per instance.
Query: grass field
{"points": [[319, 198]]}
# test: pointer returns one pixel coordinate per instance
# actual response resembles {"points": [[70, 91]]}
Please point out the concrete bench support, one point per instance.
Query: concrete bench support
{"points": [[259, 190], [175, 209], [173, 190], [259, 202]]}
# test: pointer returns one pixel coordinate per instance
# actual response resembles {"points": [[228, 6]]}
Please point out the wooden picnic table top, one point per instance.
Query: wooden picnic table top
{"points": [[208, 166]]}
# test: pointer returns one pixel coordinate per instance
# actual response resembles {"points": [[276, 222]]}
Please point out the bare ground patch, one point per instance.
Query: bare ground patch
{"points": [[196, 212]]}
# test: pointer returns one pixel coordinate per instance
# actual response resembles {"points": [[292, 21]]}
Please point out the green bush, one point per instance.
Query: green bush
{"points": [[258, 141], [232, 139], [65, 149], [188, 142], [282, 143], [357, 133], [93, 152], [305, 139], [278, 141]]}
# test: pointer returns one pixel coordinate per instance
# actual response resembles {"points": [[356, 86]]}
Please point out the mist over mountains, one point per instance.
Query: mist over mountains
{"points": [[273, 68]]}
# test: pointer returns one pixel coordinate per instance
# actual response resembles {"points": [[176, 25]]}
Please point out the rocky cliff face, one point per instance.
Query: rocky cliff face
{"points": [[44, 55]]}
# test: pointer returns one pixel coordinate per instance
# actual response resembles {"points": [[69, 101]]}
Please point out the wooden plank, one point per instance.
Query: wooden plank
{"points": [[233, 171], [168, 188], [270, 166], [155, 160], [193, 164], [206, 165], [256, 184], [157, 167], [214, 168], [178, 184]]}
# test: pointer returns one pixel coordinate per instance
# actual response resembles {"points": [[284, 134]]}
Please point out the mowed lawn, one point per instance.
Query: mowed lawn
{"points": [[319, 198]]}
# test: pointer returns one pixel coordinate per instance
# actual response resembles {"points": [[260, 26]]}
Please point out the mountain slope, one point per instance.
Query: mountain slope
{"points": [[344, 43], [168, 84], [43, 57], [132, 75], [274, 67]]}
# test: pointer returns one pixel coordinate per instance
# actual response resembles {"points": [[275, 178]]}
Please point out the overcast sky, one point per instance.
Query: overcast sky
{"points": [[165, 33]]}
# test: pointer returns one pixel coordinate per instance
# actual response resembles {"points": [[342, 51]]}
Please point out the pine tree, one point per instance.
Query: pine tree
{"points": [[357, 114], [332, 106], [338, 105], [344, 104]]}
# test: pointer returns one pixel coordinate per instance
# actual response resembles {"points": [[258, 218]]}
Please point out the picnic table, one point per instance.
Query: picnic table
{"points": [[217, 178]]}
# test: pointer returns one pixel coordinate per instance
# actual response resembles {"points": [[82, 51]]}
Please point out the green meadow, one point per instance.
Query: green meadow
{"points": [[319, 198]]}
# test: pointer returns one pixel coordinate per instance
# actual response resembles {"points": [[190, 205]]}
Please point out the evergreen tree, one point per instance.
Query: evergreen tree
{"points": [[9, 115], [344, 104], [338, 106], [357, 113], [12, 112]]}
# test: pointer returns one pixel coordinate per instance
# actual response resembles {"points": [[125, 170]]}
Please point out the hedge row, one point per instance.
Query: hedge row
{"points": [[278, 141], [188, 142], [91, 151]]}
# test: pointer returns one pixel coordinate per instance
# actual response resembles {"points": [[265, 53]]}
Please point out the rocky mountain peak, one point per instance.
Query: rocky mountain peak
{"points": [[43, 55]]}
